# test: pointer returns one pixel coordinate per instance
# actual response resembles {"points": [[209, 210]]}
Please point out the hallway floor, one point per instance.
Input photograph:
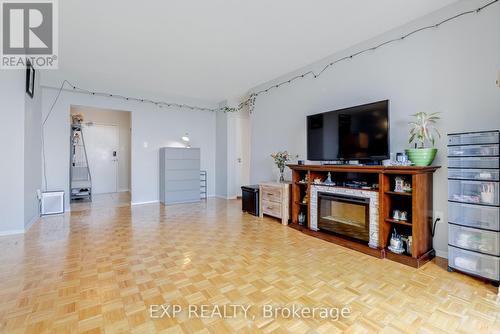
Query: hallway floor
{"points": [[101, 201]]}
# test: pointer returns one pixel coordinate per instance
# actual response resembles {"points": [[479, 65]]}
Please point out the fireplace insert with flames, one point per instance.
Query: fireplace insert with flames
{"points": [[345, 215]]}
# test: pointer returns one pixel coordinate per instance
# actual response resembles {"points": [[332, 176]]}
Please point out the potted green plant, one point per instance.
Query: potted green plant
{"points": [[423, 131]]}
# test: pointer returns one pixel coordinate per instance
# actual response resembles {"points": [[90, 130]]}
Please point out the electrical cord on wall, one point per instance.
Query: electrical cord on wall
{"points": [[43, 134], [433, 231]]}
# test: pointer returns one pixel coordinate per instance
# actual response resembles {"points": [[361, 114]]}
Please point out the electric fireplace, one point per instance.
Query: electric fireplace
{"points": [[345, 215]]}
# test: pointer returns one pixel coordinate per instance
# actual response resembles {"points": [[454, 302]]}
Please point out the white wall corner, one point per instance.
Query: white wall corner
{"points": [[30, 224], [443, 254]]}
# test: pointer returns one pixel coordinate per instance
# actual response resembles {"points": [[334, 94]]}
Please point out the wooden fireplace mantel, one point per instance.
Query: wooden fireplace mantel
{"points": [[418, 203]]}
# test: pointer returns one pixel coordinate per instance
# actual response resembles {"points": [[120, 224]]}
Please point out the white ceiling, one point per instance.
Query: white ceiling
{"points": [[211, 49]]}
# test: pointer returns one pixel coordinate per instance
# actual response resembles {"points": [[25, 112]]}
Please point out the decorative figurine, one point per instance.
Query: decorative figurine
{"points": [[396, 243], [409, 245], [407, 187], [302, 218], [399, 187], [329, 179], [317, 180], [403, 216], [306, 198]]}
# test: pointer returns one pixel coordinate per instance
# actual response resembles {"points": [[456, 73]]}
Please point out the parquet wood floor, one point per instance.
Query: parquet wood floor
{"points": [[102, 201], [99, 270]]}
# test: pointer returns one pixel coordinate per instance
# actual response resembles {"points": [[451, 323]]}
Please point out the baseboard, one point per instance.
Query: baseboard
{"points": [[124, 190], [225, 197], [147, 202], [11, 232], [184, 202], [31, 223], [443, 254]]}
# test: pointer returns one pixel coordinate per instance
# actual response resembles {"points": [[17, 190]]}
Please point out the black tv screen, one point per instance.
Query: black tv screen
{"points": [[356, 133]]}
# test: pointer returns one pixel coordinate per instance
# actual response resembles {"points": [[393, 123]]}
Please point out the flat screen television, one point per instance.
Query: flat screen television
{"points": [[355, 133]]}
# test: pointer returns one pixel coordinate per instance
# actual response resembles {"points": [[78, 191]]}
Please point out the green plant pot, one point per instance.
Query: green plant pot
{"points": [[421, 156]]}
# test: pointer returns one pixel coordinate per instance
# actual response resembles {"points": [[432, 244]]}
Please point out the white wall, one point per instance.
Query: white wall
{"points": [[152, 128], [12, 87], [221, 154], [120, 119], [32, 154], [20, 165], [451, 69]]}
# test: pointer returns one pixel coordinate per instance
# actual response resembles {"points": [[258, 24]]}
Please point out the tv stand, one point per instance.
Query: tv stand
{"points": [[351, 163], [417, 202]]}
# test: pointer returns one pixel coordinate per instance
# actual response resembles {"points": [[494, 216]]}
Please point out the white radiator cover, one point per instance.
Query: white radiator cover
{"points": [[52, 202]]}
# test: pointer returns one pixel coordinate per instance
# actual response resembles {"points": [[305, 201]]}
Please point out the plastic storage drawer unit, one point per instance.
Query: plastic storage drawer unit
{"points": [[473, 150], [483, 217], [473, 192], [475, 138], [474, 263], [474, 203], [474, 174], [474, 162], [486, 242]]}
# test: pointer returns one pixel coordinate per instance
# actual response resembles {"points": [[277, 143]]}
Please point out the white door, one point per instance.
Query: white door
{"points": [[101, 142], [239, 153]]}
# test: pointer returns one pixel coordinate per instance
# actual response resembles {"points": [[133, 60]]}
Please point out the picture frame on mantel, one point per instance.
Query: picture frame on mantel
{"points": [[30, 79]]}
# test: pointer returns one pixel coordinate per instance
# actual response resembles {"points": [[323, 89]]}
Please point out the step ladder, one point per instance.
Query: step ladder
{"points": [[80, 178]]}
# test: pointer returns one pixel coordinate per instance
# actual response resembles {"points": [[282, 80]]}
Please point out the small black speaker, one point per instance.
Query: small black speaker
{"points": [[300, 162]]}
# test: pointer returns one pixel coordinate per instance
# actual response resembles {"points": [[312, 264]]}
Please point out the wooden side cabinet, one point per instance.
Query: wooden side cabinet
{"points": [[275, 200]]}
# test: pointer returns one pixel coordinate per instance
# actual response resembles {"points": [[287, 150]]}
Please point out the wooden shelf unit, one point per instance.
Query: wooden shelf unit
{"points": [[396, 193], [418, 203], [401, 222]]}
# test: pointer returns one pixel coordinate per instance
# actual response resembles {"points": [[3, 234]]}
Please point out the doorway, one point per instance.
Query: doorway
{"points": [[238, 153], [107, 144]]}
